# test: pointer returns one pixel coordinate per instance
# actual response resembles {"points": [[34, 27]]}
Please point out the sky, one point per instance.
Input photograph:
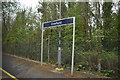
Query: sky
{"points": [[29, 3], [34, 3]]}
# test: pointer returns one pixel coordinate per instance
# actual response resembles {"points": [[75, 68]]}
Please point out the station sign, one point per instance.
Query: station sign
{"points": [[59, 22]]}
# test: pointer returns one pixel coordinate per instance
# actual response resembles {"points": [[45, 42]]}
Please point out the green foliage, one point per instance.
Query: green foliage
{"points": [[82, 66], [110, 59], [108, 72], [95, 40]]}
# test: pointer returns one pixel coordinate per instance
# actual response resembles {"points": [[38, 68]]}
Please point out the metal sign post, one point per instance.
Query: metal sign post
{"points": [[42, 46], [73, 46], [60, 22]]}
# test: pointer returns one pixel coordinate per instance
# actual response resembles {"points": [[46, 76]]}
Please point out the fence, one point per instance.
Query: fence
{"points": [[87, 53]]}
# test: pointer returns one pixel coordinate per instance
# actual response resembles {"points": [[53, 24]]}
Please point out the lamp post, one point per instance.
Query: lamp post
{"points": [[59, 39]]}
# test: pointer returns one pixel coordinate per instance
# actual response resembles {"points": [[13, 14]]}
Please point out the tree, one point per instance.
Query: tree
{"points": [[8, 9]]}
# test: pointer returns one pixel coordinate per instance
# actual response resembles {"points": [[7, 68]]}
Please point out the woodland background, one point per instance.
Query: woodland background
{"points": [[96, 39]]}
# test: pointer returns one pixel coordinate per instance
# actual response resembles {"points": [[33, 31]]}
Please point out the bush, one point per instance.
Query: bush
{"points": [[108, 72], [109, 60], [82, 65]]}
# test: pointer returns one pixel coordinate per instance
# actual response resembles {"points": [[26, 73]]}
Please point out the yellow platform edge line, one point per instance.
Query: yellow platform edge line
{"points": [[8, 74]]}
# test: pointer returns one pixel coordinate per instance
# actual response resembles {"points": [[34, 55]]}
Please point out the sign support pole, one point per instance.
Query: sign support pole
{"points": [[60, 22], [42, 46], [72, 65]]}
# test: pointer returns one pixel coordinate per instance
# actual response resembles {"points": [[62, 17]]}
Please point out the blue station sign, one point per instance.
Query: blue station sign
{"points": [[59, 22]]}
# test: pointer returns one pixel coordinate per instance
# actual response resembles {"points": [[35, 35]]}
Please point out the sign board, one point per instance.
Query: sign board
{"points": [[59, 22]]}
